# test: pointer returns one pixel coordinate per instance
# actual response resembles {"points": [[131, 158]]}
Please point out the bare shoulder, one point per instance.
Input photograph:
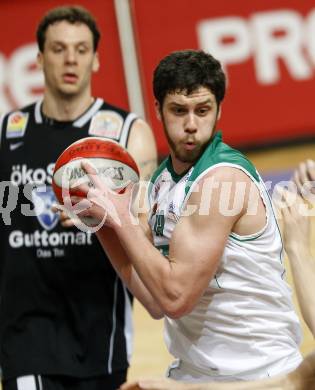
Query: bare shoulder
{"points": [[227, 196], [223, 180], [142, 147], [226, 173]]}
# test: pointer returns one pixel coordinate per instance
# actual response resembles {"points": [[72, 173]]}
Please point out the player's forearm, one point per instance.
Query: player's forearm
{"points": [[303, 270], [157, 273], [126, 271]]}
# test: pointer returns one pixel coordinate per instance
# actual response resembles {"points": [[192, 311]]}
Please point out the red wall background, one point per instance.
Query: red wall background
{"points": [[18, 21], [255, 112]]}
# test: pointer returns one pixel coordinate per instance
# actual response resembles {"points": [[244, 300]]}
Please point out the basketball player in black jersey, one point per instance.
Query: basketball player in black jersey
{"points": [[65, 316]]}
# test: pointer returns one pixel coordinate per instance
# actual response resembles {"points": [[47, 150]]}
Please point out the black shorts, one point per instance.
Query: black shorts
{"points": [[56, 382]]}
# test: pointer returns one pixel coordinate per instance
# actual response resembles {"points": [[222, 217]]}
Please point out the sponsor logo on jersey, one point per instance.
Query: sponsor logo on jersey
{"points": [[166, 177], [43, 199], [159, 224], [21, 174], [15, 145], [43, 239], [16, 126], [172, 213], [106, 123]]}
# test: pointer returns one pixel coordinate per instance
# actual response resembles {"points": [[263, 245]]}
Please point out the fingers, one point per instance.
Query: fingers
{"points": [[300, 176], [310, 164], [304, 176], [283, 199], [92, 175], [292, 213], [65, 219]]}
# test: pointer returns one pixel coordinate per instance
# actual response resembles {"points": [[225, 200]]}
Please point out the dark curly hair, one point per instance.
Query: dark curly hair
{"points": [[187, 70], [75, 14]]}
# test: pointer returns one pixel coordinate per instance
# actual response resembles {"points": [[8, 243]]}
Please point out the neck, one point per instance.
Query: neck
{"points": [[65, 108], [179, 166]]}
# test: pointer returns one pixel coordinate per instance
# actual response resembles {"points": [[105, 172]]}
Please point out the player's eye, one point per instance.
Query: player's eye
{"points": [[57, 49], [178, 110], [203, 111], [82, 49]]}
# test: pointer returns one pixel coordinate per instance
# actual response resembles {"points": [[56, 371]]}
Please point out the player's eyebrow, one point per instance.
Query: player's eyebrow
{"points": [[57, 42], [204, 102]]}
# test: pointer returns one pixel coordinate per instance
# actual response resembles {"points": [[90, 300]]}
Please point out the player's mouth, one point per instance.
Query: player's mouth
{"points": [[189, 145], [70, 78]]}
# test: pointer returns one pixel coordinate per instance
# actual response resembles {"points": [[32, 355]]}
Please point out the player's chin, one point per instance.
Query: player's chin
{"points": [[69, 90], [189, 156]]}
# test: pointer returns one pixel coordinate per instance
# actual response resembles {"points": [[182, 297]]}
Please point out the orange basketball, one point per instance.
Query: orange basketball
{"points": [[112, 162]]}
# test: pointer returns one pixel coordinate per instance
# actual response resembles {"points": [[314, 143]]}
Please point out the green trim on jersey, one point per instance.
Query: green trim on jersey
{"points": [[246, 238], [216, 153], [159, 170], [167, 163], [164, 249], [156, 174], [175, 176]]}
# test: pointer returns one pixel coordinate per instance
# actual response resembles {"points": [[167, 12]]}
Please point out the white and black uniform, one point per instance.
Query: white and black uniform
{"points": [[63, 309], [244, 327]]}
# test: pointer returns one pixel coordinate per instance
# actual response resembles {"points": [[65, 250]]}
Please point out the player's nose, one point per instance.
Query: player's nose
{"points": [[70, 56], [191, 123]]}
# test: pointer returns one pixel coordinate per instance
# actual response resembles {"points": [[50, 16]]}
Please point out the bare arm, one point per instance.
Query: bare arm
{"points": [[141, 145], [177, 283], [296, 235], [111, 245]]}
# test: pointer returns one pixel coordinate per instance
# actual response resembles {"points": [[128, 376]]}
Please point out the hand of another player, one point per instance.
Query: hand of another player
{"points": [[304, 177], [296, 222]]}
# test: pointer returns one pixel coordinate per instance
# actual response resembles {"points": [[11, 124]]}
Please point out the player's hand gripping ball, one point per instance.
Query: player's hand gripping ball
{"points": [[111, 161]]}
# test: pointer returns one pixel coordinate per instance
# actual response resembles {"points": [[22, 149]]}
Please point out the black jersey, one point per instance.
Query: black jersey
{"points": [[63, 309]]}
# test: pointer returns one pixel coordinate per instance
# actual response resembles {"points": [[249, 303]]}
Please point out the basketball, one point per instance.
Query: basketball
{"points": [[112, 163]]}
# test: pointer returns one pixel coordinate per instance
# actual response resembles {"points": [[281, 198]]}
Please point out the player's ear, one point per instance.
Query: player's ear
{"points": [[40, 60], [96, 63], [157, 110], [219, 113]]}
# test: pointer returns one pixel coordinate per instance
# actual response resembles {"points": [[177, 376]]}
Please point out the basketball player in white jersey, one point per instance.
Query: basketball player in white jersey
{"points": [[296, 235], [209, 256]]}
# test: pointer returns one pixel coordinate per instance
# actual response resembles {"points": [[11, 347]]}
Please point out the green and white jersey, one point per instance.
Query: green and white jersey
{"points": [[244, 326]]}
